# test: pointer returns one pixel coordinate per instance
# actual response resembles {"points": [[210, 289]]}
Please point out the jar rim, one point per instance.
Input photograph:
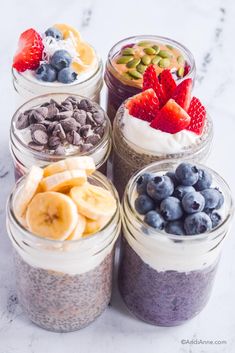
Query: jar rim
{"points": [[33, 237], [45, 156], [160, 234]]}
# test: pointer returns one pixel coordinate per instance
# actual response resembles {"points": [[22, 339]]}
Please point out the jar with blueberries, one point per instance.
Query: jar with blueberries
{"points": [[52, 127]]}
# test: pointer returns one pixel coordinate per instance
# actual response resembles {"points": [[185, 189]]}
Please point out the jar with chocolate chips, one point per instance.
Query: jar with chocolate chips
{"points": [[52, 127]]}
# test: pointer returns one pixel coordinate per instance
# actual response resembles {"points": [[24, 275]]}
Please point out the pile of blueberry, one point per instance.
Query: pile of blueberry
{"points": [[181, 202], [59, 66]]}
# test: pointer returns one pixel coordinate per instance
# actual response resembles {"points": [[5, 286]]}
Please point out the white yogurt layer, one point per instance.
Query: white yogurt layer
{"points": [[144, 137]]}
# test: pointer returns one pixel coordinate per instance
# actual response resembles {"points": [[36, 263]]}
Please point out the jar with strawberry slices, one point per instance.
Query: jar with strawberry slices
{"points": [[52, 127], [129, 58], [56, 61], [163, 122], [63, 224]]}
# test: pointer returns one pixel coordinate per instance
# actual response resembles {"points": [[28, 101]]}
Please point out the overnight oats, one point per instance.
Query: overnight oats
{"points": [[129, 58], [63, 224], [162, 122], [56, 61], [52, 127], [175, 220]]}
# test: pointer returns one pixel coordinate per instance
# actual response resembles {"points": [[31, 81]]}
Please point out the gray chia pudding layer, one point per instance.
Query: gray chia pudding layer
{"points": [[165, 298], [61, 302]]}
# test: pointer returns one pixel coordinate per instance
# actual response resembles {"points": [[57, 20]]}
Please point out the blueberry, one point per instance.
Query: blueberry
{"points": [[144, 204], [221, 200], [142, 183], [212, 198], [53, 32], [154, 219], [197, 223], [204, 180], [187, 174], [193, 202], [175, 227], [61, 59], [181, 190], [66, 75], [172, 176], [171, 209], [160, 187], [215, 218], [46, 72]]}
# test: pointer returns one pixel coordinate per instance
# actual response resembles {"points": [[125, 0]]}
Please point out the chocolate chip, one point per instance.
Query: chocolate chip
{"points": [[39, 134], [59, 131], [69, 137], [85, 130], [43, 111], [99, 130], [80, 116], [86, 105], [35, 117], [99, 117], [66, 106], [54, 141], [51, 126], [64, 115], [52, 111], [90, 120], [93, 139], [76, 139], [35, 146], [69, 124], [55, 103], [72, 99], [86, 147], [22, 121], [60, 150]]}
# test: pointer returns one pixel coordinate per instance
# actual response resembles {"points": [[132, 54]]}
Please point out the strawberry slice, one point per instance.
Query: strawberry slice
{"points": [[29, 52], [144, 105], [197, 112], [182, 94], [171, 118], [150, 80], [168, 83]]}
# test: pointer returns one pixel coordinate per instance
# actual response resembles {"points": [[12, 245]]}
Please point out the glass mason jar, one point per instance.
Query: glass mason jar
{"points": [[120, 87], [166, 279], [24, 156], [26, 88], [63, 286]]}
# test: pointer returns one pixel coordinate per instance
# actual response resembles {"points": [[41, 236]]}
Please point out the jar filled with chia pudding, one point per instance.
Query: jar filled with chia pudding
{"points": [[145, 132], [64, 268], [52, 127], [171, 245], [129, 58], [56, 61]]}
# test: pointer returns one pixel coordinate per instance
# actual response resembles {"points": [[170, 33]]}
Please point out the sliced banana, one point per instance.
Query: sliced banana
{"points": [[68, 31], [52, 215], [94, 226], [79, 229], [63, 181], [72, 163], [93, 201], [28, 190]]}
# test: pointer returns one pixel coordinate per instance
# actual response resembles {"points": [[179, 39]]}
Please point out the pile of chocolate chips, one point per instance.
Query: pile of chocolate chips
{"points": [[54, 126]]}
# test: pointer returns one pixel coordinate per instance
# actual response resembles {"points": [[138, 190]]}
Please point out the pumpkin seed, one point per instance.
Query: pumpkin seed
{"points": [[133, 63], [144, 44], [163, 63], [150, 51], [128, 51], [156, 60], [135, 74], [180, 71], [124, 59], [156, 48], [164, 54], [180, 60], [169, 46], [141, 68], [146, 59]]}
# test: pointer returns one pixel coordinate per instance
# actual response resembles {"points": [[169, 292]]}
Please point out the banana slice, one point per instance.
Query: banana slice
{"points": [[93, 201], [83, 163], [79, 229], [28, 190], [68, 31], [86, 53], [52, 215], [64, 181], [94, 226]]}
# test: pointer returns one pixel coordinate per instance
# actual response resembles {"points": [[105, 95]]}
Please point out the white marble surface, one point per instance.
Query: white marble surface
{"points": [[207, 28]]}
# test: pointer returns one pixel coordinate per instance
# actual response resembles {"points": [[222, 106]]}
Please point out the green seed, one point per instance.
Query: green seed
{"points": [[156, 48], [146, 59], [169, 46], [164, 54], [124, 59], [144, 44], [180, 60], [163, 63], [150, 51], [126, 76], [180, 71], [156, 60], [133, 63], [141, 68], [128, 51], [135, 74]]}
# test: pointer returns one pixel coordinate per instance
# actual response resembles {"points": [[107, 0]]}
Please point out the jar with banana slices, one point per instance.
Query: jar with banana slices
{"points": [[63, 223]]}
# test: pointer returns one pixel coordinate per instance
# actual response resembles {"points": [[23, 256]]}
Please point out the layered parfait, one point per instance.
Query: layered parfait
{"points": [[162, 122], [52, 127], [129, 58], [63, 222], [176, 217], [57, 60]]}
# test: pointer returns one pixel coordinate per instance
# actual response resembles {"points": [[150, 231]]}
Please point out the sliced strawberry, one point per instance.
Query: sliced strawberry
{"points": [[29, 52], [197, 112], [168, 83], [182, 94], [171, 118], [151, 81], [144, 105]]}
